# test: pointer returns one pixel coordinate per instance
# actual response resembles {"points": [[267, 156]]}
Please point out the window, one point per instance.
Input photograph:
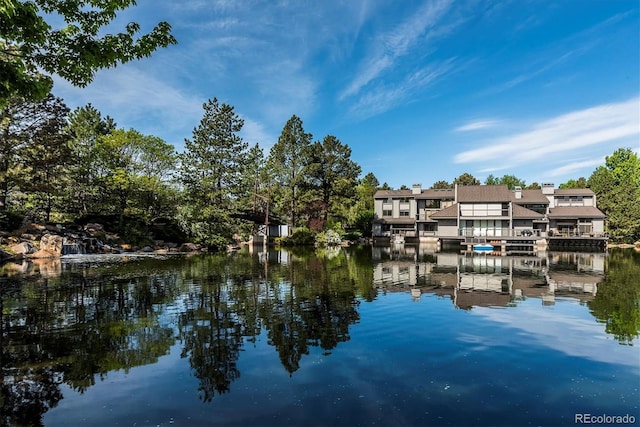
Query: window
{"points": [[404, 213], [432, 204], [387, 212]]}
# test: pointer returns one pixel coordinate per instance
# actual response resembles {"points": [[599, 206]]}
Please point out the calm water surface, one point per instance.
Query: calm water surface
{"points": [[358, 336]]}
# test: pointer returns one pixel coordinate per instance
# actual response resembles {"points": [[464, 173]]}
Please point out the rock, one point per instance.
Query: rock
{"points": [[28, 236], [93, 228], [51, 227], [44, 254], [189, 247], [23, 248], [147, 249], [51, 243]]}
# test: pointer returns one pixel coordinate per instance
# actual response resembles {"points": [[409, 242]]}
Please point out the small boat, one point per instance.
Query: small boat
{"points": [[483, 247]]}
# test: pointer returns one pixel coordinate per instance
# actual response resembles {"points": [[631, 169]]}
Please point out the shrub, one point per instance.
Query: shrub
{"points": [[352, 235], [10, 220], [328, 238], [300, 237]]}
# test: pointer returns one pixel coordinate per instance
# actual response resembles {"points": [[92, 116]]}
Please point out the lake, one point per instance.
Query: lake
{"points": [[327, 337]]}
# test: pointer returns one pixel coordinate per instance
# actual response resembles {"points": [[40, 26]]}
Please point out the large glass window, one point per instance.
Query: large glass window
{"points": [[432, 204]]}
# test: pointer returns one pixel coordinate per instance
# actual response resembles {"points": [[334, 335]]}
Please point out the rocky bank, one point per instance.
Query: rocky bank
{"points": [[53, 241]]}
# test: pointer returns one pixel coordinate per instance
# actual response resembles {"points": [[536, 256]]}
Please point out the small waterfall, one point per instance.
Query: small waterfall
{"points": [[73, 249]]}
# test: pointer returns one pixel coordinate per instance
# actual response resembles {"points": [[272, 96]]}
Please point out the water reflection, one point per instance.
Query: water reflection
{"points": [[479, 280], [70, 322]]}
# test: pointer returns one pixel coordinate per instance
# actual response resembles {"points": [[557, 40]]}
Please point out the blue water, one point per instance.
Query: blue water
{"points": [[406, 363], [311, 341]]}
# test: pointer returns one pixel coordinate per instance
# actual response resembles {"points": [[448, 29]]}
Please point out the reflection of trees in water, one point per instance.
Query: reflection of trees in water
{"points": [[307, 302], [212, 335], [314, 308], [617, 303], [87, 321], [68, 329]]}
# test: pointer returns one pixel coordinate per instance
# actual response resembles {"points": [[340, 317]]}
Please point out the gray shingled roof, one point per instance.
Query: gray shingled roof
{"points": [[575, 212], [383, 194], [484, 193], [573, 192], [532, 196], [450, 212], [447, 193], [524, 213]]}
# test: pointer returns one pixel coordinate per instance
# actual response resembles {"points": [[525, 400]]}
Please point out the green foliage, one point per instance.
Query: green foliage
{"points": [[33, 150], [353, 235], [510, 181], [285, 168], [10, 220], [332, 174], [74, 51], [617, 188], [328, 238], [364, 222], [575, 183], [301, 237], [617, 303], [83, 192], [466, 179], [212, 169], [441, 185]]}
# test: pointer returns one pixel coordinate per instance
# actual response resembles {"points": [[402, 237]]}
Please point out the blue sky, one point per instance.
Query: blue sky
{"points": [[420, 90]]}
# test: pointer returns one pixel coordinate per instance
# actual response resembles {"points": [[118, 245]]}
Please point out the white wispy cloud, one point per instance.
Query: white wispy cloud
{"points": [[390, 46], [564, 135], [137, 100], [477, 125], [565, 331], [574, 166], [385, 97]]}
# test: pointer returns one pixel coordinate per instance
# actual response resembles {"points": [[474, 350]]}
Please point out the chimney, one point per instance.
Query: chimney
{"points": [[518, 191], [416, 189], [547, 189]]}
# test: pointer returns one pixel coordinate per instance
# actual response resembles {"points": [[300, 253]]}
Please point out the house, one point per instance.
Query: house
{"points": [[486, 211]]}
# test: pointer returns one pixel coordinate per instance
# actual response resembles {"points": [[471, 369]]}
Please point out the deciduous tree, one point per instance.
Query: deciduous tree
{"points": [[575, 183], [617, 188], [86, 126], [74, 50]]}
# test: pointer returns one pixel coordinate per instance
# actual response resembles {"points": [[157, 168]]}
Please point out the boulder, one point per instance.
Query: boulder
{"points": [[94, 228], [51, 243], [189, 247], [44, 254], [23, 248]]}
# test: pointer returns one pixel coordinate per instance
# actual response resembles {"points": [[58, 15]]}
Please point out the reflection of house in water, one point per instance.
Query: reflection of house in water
{"points": [[483, 280]]}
